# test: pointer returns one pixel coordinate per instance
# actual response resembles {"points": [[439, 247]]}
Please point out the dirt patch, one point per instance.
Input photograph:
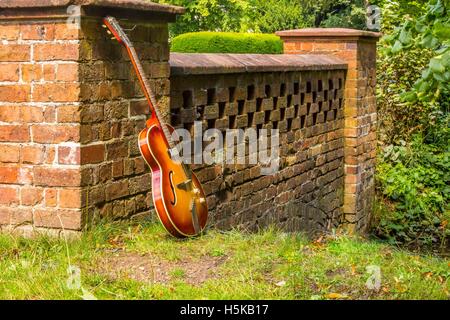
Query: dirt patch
{"points": [[153, 269]]}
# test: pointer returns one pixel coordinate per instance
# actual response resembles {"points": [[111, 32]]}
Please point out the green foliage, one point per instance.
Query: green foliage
{"points": [[209, 15], [343, 14], [227, 42], [413, 100], [414, 179], [430, 31], [269, 16], [266, 16]]}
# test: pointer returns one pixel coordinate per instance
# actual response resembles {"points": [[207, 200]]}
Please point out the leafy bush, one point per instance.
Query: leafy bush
{"points": [[413, 181], [227, 42], [431, 32], [413, 102], [399, 70]]}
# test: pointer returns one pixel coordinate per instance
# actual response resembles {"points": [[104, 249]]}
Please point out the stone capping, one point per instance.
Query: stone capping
{"points": [[328, 33], [142, 5], [221, 63]]}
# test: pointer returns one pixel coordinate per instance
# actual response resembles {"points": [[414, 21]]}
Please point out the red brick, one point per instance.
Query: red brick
{"points": [[67, 72], [117, 169], [117, 190], [55, 133], [48, 71], [14, 52], [15, 216], [56, 177], [62, 32], [50, 154], [58, 218], [15, 174], [50, 114], [31, 72], [9, 153], [37, 31], [14, 133], [9, 72], [69, 155], [68, 114], [10, 114], [14, 93], [31, 196], [70, 198], [92, 154], [9, 174], [9, 195], [9, 32], [56, 92], [56, 51], [51, 197], [33, 154], [29, 114]]}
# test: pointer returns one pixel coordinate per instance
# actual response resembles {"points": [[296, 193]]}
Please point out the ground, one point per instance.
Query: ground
{"points": [[139, 261]]}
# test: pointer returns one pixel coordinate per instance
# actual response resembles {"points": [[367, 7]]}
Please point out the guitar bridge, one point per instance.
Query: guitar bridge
{"points": [[185, 185]]}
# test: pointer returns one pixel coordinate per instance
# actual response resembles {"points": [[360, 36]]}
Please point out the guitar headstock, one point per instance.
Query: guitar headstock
{"points": [[116, 30]]}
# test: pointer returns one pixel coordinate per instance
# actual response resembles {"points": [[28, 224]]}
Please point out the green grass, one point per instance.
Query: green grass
{"points": [[227, 42], [266, 265]]}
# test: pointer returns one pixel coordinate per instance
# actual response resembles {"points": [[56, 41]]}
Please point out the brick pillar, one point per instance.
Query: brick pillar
{"points": [[71, 108], [358, 49]]}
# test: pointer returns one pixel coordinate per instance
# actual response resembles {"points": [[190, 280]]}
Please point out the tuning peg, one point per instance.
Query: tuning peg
{"points": [[113, 38], [109, 32], [104, 26]]}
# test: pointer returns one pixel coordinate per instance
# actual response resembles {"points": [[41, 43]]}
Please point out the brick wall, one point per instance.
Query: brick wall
{"points": [[39, 90], [71, 109], [306, 106]]}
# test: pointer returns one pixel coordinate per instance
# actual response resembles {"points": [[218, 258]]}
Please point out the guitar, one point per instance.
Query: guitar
{"points": [[178, 196]]}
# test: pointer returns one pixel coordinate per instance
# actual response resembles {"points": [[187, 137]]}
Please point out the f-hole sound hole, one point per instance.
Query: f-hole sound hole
{"points": [[172, 187]]}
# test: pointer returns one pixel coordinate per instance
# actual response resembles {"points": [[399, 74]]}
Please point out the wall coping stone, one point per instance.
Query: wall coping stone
{"points": [[220, 63], [328, 33], [126, 4], [48, 9]]}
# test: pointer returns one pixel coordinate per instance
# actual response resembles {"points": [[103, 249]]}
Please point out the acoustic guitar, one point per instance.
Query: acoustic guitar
{"points": [[178, 196]]}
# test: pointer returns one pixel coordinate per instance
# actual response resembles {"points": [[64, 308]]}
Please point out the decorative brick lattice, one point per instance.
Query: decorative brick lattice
{"points": [[307, 108]]}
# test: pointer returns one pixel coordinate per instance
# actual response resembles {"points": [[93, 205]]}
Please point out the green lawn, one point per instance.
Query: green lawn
{"points": [[132, 261]]}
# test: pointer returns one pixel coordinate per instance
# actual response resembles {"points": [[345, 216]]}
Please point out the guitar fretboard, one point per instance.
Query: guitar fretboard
{"points": [[149, 93]]}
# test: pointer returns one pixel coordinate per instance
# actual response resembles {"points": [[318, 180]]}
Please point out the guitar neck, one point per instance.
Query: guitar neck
{"points": [[148, 91]]}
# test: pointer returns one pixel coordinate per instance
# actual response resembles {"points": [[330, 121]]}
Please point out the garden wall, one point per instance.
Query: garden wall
{"points": [[71, 108], [302, 97]]}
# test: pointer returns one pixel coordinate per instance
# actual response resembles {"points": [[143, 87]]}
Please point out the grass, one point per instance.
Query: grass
{"points": [[231, 265]]}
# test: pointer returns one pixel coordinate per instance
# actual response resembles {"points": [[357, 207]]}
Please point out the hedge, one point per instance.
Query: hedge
{"points": [[227, 42]]}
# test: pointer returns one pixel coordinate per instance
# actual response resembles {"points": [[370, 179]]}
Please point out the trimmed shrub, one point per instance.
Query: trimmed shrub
{"points": [[227, 42]]}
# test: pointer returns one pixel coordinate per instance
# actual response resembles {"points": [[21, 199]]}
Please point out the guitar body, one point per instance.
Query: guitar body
{"points": [[173, 203]]}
